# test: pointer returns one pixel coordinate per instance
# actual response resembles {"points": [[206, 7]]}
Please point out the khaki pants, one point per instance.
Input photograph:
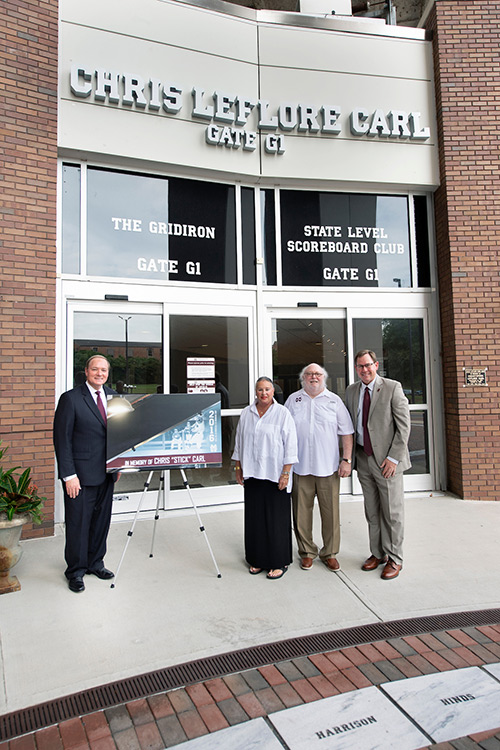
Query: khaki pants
{"points": [[326, 489]]}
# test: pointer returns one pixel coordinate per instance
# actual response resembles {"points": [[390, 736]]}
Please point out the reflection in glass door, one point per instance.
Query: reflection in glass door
{"points": [[225, 338], [132, 343], [299, 341], [399, 346]]}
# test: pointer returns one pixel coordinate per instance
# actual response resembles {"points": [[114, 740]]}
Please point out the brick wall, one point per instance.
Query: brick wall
{"points": [[28, 156], [466, 38]]}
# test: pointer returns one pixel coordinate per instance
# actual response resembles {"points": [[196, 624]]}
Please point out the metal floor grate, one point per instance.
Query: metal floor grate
{"points": [[99, 698]]}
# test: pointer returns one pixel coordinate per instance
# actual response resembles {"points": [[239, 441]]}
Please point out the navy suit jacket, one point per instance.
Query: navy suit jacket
{"points": [[80, 436]]}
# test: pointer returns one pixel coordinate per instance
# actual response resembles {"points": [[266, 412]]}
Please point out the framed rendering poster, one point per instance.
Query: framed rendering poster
{"points": [[163, 431]]}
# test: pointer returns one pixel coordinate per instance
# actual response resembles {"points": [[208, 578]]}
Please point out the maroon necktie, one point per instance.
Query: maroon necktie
{"points": [[367, 443], [100, 406]]}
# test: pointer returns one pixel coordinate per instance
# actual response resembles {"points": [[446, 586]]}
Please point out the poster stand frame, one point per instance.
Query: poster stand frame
{"points": [[161, 493]]}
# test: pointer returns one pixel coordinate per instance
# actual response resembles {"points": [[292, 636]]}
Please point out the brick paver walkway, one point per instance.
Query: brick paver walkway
{"points": [[163, 720]]}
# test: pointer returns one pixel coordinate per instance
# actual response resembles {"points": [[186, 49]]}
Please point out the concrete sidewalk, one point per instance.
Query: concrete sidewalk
{"points": [[172, 608]]}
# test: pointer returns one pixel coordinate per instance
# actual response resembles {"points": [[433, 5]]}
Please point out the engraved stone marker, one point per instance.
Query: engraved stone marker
{"points": [[359, 720], [451, 704]]}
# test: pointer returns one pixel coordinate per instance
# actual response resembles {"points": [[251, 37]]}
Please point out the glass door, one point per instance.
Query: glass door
{"points": [[212, 332], [301, 336], [131, 339], [400, 345], [148, 347], [331, 338]]}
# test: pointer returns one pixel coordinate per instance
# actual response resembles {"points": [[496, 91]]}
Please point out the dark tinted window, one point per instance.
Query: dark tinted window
{"points": [[248, 235], [422, 240], [268, 217], [203, 218], [338, 239]]}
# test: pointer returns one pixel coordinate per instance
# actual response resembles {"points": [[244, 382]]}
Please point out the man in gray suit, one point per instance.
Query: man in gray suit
{"points": [[379, 411]]}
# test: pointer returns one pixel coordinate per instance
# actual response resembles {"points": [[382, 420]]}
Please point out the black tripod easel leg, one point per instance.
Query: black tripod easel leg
{"points": [[202, 528], [161, 493], [131, 531]]}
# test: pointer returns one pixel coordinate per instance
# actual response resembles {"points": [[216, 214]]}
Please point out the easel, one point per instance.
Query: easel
{"points": [[161, 493]]}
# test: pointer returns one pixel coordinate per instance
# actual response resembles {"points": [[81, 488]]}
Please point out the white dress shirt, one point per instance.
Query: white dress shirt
{"points": [[319, 422], [263, 445], [104, 398]]}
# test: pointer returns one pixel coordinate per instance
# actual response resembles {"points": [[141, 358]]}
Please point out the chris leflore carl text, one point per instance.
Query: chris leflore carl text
{"points": [[227, 114]]}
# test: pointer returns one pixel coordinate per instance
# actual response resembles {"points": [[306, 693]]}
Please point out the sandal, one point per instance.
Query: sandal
{"points": [[275, 578], [254, 571]]}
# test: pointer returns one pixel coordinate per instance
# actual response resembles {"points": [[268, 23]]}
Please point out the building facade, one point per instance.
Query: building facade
{"points": [[263, 188]]}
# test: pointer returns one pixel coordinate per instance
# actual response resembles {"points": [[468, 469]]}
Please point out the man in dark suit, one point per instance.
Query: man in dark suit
{"points": [[381, 417], [80, 445]]}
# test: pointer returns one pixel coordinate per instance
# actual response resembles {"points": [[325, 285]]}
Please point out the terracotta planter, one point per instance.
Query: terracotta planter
{"points": [[10, 552]]}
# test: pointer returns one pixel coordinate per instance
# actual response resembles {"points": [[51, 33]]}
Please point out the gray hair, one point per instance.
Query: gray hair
{"points": [[301, 375], [264, 377]]}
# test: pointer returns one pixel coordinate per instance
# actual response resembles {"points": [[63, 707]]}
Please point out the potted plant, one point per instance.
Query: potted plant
{"points": [[19, 503]]}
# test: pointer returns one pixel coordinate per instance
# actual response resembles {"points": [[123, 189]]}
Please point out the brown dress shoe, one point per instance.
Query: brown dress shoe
{"points": [[391, 570], [373, 562], [332, 564], [306, 563]]}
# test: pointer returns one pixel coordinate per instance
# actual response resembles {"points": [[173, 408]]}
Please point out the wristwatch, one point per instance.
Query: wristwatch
{"points": [[347, 460]]}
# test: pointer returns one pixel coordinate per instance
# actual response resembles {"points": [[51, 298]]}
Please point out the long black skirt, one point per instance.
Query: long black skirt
{"points": [[268, 525]]}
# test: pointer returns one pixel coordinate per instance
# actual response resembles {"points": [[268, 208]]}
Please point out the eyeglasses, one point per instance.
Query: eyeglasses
{"points": [[365, 367], [313, 374]]}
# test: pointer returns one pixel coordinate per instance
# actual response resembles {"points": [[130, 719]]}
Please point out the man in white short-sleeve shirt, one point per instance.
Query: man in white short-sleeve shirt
{"points": [[320, 419]]}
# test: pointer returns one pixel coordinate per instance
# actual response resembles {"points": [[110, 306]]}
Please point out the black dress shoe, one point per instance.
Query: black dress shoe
{"points": [[76, 584], [103, 573]]}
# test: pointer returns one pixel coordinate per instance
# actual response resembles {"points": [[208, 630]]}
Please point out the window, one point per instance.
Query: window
{"points": [[147, 227], [127, 225], [422, 240], [268, 229], [248, 235], [71, 219], [338, 239]]}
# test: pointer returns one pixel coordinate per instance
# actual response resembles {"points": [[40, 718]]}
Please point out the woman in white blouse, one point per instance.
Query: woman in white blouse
{"points": [[265, 450]]}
